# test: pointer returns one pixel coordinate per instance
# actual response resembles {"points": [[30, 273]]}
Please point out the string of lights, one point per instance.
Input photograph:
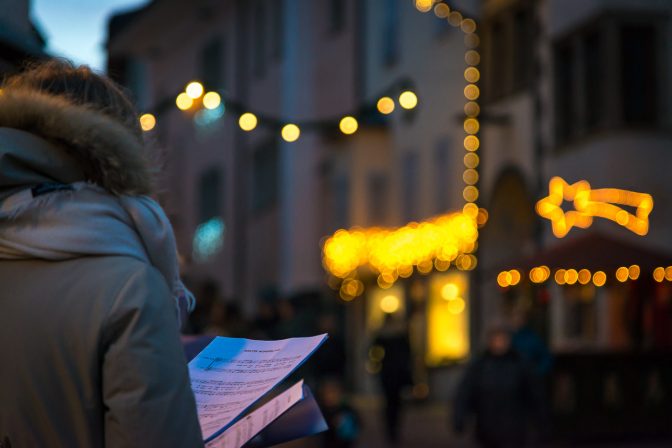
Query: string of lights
{"points": [[542, 274], [196, 101], [434, 244]]}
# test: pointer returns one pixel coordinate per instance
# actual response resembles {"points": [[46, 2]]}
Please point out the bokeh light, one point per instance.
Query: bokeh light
{"points": [[248, 121], [194, 90], [211, 100], [408, 100], [183, 101], [290, 133], [348, 125], [147, 122], [385, 105]]}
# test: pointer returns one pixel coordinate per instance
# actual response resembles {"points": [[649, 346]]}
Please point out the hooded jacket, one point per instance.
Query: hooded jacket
{"points": [[90, 355]]}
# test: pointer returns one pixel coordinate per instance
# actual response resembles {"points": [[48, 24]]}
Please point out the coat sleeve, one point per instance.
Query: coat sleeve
{"points": [[146, 389]]}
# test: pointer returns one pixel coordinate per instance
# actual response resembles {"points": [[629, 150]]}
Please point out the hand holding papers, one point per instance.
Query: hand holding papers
{"points": [[230, 375]]}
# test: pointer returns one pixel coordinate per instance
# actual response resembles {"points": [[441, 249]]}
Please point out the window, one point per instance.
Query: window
{"points": [[259, 38], [593, 79], [212, 73], [523, 48], [440, 174], [265, 176], [607, 75], [564, 92], [209, 195], [390, 32], [509, 50], [410, 186], [639, 68], [278, 31], [337, 15], [377, 200]]}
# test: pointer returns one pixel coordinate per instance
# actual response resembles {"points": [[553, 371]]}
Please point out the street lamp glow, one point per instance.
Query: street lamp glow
{"points": [[184, 101], [385, 105], [194, 89], [348, 125], [147, 122], [290, 133], [408, 100], [212, 100], [248, 121]]}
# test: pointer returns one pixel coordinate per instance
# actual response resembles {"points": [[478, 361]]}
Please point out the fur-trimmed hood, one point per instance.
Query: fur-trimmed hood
{"points": [[106, 152]]}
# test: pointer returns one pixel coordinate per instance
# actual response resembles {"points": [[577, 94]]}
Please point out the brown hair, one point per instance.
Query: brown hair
{"points": [[81, 86]]}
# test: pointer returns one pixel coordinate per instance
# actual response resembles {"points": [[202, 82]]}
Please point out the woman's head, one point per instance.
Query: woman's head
{"points": [[87, 116], [79, 85]]}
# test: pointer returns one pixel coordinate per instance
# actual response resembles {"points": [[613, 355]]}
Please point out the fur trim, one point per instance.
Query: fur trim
{"points": [[110, 155]]}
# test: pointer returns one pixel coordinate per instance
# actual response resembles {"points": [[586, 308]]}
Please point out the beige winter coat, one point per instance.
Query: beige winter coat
{"points": [[89, 350]]}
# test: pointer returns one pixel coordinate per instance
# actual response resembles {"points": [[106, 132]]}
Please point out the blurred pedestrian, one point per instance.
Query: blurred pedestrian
{"points": [[529, 345], [500, 391], [395, 373], [89, 342]]}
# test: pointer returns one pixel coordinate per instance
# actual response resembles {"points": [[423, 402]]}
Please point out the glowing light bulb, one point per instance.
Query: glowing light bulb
{"points": [[389, 304], [211, 100], [408, 100], [247, 121], [183, 101], [194, 89], [290, 133], [385, 105], [147, 122], [348, 125]]}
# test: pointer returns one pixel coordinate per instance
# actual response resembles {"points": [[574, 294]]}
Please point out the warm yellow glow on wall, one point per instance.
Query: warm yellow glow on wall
{"points": [[248, 121], [393, 253], [589, 203], [290, 133], [348, 125], [194, 90], [385, 105], [447, 318], [408, 100], [212, 100], [183, 101], [147, 122]]}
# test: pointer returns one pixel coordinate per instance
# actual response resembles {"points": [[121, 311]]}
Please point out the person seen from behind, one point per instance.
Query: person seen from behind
{"points": [[91, 295], [500, 392]]}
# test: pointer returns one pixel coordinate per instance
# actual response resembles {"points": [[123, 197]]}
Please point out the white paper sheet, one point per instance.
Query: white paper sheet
{"points": [[245, 429], [231, 374]]}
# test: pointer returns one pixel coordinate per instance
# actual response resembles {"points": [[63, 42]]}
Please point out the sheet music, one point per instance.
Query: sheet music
{"points": [[245, 429], [231, 374]]}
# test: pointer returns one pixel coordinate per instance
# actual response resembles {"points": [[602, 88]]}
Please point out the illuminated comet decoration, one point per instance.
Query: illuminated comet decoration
{"points": [[589, 204], [396, 252]]}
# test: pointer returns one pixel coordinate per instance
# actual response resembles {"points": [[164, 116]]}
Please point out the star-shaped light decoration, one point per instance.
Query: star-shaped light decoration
{"points": [[590, 203], [550, 206]]}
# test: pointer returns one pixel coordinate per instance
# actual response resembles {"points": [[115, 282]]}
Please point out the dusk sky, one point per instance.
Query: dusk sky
{"points": [[76, 28]]}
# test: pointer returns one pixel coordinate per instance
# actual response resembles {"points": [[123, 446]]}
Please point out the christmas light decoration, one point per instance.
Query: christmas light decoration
{"points": [[590, 203]]}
